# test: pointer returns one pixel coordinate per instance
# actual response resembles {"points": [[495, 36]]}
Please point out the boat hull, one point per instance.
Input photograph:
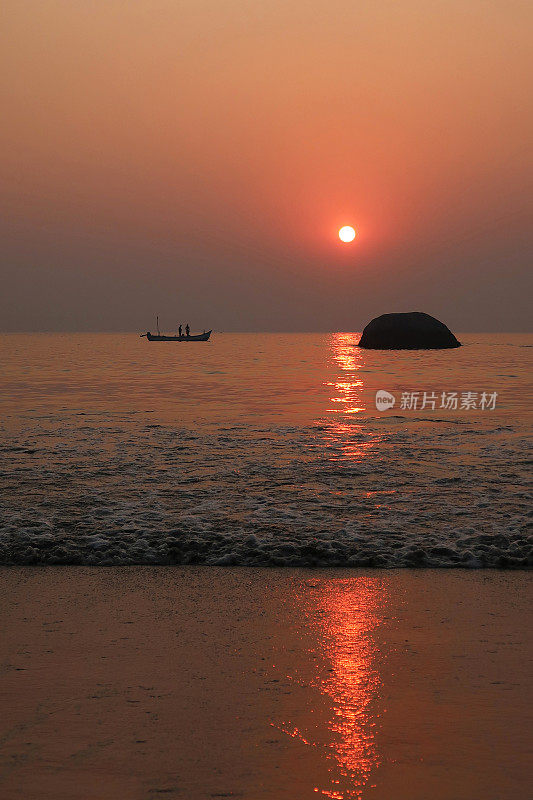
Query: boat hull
{"points": [[201, 337]]}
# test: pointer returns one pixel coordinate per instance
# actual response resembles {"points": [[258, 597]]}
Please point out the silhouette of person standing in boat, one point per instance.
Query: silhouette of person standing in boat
{"points": [[187, 329], [179, 331]]}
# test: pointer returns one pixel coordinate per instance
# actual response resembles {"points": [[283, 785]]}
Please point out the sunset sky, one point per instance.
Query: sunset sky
{"points": [[196, 158]]}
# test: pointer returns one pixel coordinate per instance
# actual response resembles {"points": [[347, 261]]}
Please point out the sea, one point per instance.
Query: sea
{"points": [[265, 450]]}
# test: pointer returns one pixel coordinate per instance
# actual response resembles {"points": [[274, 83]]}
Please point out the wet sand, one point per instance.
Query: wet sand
{"points": [[146, 682]]}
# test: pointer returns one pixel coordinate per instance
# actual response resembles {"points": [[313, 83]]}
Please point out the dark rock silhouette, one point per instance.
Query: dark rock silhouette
{"points": [[412, 331]]}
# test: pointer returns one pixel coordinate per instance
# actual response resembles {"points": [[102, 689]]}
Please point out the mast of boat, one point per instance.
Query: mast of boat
{"points": [[157, 323]]}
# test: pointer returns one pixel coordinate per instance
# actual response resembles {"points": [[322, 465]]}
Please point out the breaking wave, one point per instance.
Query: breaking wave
{"points": [[376, 492]]}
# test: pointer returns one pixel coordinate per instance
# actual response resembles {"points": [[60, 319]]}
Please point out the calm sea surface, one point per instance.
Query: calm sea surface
{"points": [[264, 449]]}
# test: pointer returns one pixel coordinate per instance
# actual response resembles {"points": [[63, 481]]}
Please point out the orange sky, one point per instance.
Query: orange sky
{"points": [[196, 158]]}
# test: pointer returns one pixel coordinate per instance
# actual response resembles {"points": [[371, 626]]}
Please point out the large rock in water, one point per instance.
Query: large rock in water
{"points": [[412, 331]]}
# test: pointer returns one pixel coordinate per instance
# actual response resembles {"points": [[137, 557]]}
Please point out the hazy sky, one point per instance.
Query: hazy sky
{"points": [[195, 158]]}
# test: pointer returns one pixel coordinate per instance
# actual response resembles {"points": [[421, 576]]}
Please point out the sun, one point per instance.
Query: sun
{"points": [[347, 233]]}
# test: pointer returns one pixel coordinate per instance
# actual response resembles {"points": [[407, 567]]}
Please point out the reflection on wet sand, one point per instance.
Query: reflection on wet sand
{"points": [[344, 614]]}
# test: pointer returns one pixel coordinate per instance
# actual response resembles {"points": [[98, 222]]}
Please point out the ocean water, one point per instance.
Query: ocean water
{"points": [[264, 449]]}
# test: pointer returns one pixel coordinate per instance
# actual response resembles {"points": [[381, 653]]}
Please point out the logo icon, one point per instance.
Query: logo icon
{"points": [[384, 400]]}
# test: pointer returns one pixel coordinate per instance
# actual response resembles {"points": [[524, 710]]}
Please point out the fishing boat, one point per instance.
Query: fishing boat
{"points": [[155, 337], [159, 337]]}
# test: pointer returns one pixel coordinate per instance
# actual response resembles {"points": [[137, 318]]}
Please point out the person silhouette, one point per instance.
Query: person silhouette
{"points": [[179, 331], [187, 329]]}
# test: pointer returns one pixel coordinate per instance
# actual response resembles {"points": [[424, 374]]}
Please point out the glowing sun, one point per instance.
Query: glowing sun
{"points": [[347, 233]]}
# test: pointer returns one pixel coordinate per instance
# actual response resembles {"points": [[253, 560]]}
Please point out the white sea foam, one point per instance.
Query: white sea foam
{"points": [[371, 493]]}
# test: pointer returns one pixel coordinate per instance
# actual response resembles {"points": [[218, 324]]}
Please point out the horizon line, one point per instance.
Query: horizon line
{"points": [[240, 331]]}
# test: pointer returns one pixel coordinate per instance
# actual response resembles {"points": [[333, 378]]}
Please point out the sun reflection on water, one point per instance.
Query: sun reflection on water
{"points": [[348, 388], [347, 438], [345, 613]]}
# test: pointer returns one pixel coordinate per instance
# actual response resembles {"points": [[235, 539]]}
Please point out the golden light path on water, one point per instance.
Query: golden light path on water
{"points": [[344, 614], [344, 432], [349, 388]]}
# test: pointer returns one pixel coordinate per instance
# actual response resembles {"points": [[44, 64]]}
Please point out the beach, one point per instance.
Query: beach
{"points": [[144, 682], [204, 583]]}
